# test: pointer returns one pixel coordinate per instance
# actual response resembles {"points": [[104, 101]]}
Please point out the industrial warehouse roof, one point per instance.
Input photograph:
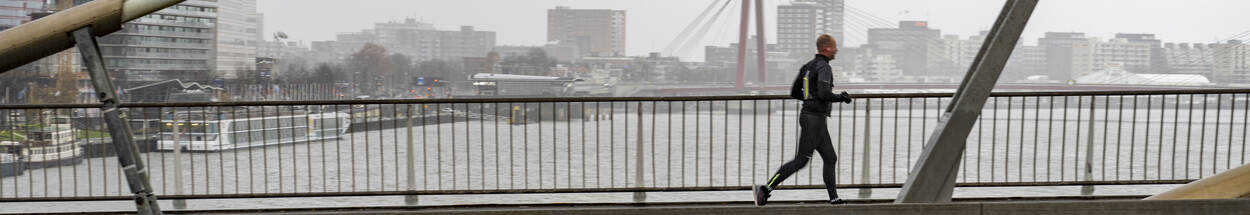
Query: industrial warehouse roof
{"points": [[1121, 77], [492, 76], [179, 84], [170, 91]]}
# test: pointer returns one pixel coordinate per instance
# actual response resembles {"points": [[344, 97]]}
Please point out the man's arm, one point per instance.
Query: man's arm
{"points": [[823, 87]]}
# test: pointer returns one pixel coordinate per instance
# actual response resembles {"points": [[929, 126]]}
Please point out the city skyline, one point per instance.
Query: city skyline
{"points": [[653, 24], [590, 42]]}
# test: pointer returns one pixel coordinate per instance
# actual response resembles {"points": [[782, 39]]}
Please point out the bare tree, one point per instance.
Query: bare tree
{"points": [[437, 68], [295, 73], [369, 67], [403, 70], [327, 74]]}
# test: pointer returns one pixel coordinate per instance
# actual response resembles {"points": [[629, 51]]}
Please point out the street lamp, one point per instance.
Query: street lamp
{"points": [[277, 39], [279, 35]]}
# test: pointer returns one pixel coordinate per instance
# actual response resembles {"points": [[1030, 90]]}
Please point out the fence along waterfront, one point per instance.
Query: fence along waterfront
{"points": [[556, 145]]}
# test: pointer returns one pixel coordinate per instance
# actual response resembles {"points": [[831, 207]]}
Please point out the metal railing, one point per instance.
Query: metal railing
{"points": [[555, 145]]}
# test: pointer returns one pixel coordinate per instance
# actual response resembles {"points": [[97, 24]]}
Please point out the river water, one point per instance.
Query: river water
{"points": [[698, 149]]}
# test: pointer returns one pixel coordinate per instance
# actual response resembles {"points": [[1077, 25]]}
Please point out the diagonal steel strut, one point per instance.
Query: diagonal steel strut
{"points": [[932, 179], [127, 152]]}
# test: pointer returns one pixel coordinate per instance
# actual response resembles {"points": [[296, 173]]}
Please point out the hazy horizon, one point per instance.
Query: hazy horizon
{"points": [[652, 24]]}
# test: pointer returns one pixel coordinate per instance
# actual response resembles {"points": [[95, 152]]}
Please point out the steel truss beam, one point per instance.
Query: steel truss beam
{"points": [[932, 179]]}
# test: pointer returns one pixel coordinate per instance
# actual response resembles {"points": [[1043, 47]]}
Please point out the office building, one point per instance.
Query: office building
{"points": [[1071, 55], [801, 21], [1026, 62], [1059, 53], [16, 12], [1158, 55], [910, 45], [238, 36], [417, 40], [174, 43], [953, 55], [1186, 58], [596, 32], [866, 64], [1119, 52], [1232, 62]]}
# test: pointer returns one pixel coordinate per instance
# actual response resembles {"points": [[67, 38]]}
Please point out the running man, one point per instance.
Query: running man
{"points": [[813, 86]]}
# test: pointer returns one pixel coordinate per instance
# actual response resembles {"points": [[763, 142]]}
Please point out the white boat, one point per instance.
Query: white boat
{"points": [[194, 131], [47, 146]]}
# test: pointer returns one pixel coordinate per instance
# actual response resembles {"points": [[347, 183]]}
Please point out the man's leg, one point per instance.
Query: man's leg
{"points": [[802, 155], [830, 158], [807, 136]]}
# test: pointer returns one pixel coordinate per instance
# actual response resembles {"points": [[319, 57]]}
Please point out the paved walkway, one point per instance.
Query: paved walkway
{"points": [[1099, 205]]}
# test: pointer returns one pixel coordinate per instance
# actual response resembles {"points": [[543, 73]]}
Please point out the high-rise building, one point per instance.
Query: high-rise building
{"points": [[1059, 53], [953, 55], [421, 41], [343, 45], [1134, 56], [177, 42], [417, 40], [866, 64], [467, 42], [259, 24], [1158, 57], [596, 32], [410, 37], [800, 22], [1185, 58], [237, 37], [1026, 61], [1232, 62], [16, 12], [910, 45], [1072, 55]]}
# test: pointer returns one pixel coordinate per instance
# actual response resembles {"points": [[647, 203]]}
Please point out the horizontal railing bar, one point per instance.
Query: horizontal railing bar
{"points": [[358, 209], [587, 190], [617, 99]]}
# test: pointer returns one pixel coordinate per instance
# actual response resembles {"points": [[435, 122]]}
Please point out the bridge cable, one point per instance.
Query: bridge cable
{"points": [[686, 32], [699, 35]]}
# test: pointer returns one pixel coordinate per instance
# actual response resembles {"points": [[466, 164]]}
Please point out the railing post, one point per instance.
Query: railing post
{"points": [[1089, 149], [867, 164], [178, 185], [639, 197], [412, 173]]}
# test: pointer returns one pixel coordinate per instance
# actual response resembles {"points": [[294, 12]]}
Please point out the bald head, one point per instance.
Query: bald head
{"points": [[827, 46]]}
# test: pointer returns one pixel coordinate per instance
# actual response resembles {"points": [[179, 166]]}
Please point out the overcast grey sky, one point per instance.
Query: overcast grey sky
{"points": [[652, 24]]}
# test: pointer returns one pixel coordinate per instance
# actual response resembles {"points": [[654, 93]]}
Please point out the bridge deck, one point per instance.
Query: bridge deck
{"points": [[1101, 205]]}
